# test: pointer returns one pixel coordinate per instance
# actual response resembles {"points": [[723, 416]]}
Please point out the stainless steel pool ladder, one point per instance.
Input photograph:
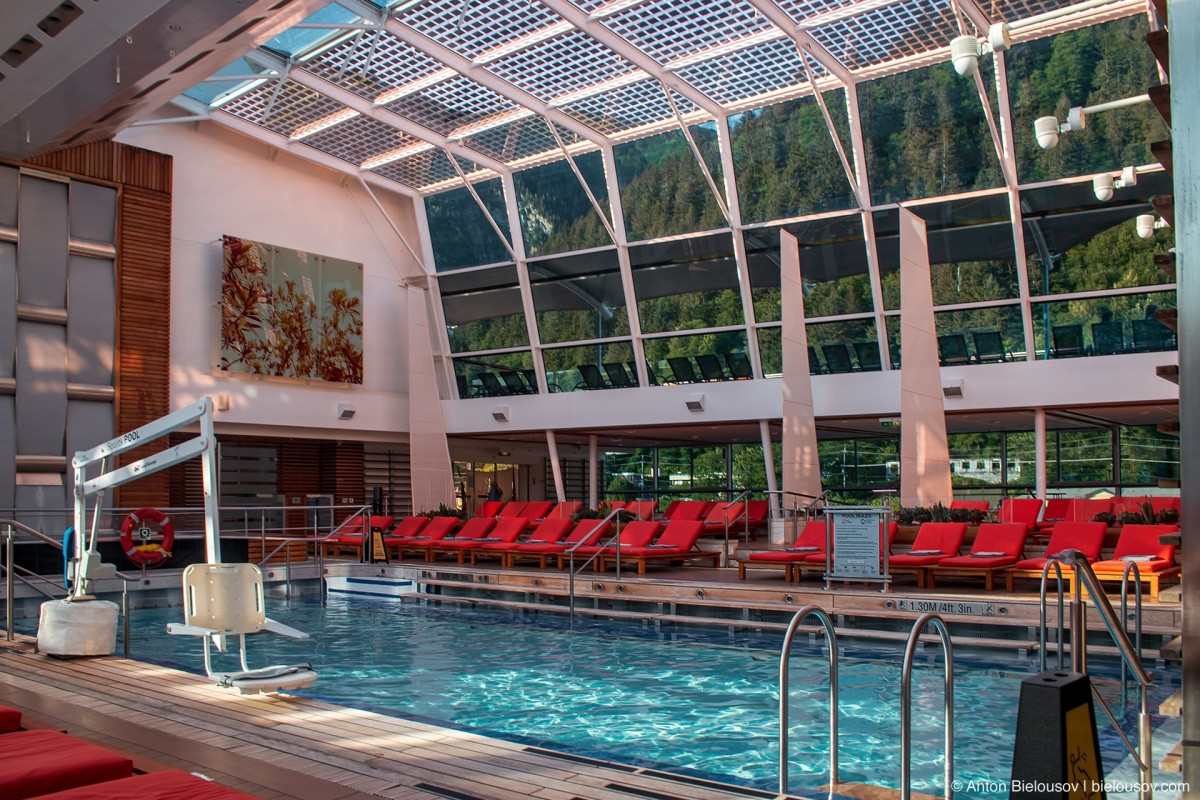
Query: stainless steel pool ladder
{"points": [[614, 542], [13, 573], [1085, 578], [806, 510], [906, 704], [784, 658]]}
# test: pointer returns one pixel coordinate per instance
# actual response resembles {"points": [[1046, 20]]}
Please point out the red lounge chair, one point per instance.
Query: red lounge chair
{"points": [[633, 534], [474, 528], [997, 545], [549, 531], [585, 532], [351, 534], [675, 544], [1140, 544], [670, 509], [934, 541], [816, 562], [1129, 504], [537, 509], [1086, 537], [757, 512], [436, 529], [1165, 502], [38, 762], [810, 542], [723, 517], [1024, 510], [10, 719], [564, 510], [512, 509], [505, 531], [409, 526], [686, 510], [642, 509], [169, 784], [1056, 511], [972, 505], [489, 509], [1084, 510]]}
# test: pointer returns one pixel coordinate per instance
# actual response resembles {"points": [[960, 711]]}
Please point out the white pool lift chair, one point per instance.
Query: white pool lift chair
{"points": [[223, 600]]}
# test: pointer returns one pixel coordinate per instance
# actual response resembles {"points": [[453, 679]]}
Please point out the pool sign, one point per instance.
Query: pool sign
{"points": [[945, 607], [856, 543]]}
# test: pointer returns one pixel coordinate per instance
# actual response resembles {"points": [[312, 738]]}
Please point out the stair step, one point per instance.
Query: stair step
{"points": [[1173, 761], [1173, 705], [1172, 650]]}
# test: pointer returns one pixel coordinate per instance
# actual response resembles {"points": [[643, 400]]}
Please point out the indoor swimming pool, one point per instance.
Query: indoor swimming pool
{"points": [[698, 702]]}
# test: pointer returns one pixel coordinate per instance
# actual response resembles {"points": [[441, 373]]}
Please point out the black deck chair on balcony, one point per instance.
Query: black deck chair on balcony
{"points": [[592, 378], [952, 350], [514, 383], [491, 385], [814, 363], [682, 367], [617, 376], [710, 367], [837, 358], [651, 376], [1108, 337], [739, 366], [868, 356], [989, 347], [1068, 341], [1150, 334]]}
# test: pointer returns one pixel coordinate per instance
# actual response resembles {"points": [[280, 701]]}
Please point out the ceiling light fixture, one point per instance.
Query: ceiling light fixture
{"points": [[965, 50], [1103, 185], [1147, 224]]}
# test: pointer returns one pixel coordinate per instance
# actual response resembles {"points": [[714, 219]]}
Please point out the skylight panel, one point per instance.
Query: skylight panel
{"points": [[358, 139], [518, 140], [471, 27], [283, 112], [213, 93], [560, 65], [668, 30], [889, 33], [757, 71], [450, 105], [372, 65], [296, 41], [626, 108]]}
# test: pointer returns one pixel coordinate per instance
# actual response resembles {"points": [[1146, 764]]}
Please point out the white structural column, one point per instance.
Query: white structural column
{"points": [[1184, 18], [593, 472], [429, 453], [801, 463], [764, 432], [555, 466], [1039, 451], [924, 452]]}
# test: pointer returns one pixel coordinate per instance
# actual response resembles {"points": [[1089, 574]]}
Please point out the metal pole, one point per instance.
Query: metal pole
{"points": [[125, 614], [784, 658], [906, 705], [8, 582]]}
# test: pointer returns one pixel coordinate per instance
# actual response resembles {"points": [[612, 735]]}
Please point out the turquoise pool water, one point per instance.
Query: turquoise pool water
{"points": [[698, 702]]}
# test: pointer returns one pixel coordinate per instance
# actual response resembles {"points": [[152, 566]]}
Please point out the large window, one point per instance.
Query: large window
{"points": [[687, 284], [578, 297], [663, 190], [459, 230], [1127, 323], [556, 214], [718, 356], [604, 365], [785, 160], [483, 309], [1082, 68]]}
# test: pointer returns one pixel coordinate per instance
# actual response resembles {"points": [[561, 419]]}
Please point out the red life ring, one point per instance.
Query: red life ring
{"points": [[146, 553]]}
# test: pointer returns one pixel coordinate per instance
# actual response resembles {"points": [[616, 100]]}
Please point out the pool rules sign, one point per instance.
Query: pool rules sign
{"points": [[855, 533]]}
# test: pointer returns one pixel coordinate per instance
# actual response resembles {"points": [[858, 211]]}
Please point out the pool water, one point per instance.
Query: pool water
{"points": [[698, 702]]}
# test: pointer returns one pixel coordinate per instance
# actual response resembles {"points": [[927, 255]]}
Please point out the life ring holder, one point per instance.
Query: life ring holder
{"points": [[145, 553]]}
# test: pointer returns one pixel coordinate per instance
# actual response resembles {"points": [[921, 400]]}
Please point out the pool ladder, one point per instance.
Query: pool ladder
{"points": [[905, 698], [1131, 651]]}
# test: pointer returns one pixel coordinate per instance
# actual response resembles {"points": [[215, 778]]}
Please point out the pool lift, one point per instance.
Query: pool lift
{"points": [[220, 600]]}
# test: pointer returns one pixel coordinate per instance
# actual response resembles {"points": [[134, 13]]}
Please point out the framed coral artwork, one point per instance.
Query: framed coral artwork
{"points": [[290, 314]]}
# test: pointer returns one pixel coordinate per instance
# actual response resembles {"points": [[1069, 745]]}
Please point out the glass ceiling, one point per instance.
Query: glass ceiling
{"points": [[427, 92]]}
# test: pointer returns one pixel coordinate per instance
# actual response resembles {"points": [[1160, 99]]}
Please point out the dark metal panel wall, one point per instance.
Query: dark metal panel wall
{"points": [[91, 323], [41, 388], [42, 254]]}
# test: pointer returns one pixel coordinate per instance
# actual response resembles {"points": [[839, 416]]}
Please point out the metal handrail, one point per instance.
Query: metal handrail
{"points": [[906, 704], [784, 658], [1131, 566], [1085, 578], [570, 551], [745, 515], [796, 507], [10, 570], [1042, 608]]}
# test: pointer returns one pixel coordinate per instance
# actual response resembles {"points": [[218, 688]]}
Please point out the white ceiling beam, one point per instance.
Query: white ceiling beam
{"points": [[803, 39], [619, 45]]}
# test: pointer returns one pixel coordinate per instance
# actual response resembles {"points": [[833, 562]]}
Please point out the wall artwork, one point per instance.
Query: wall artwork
{"points": [[290, 314]]}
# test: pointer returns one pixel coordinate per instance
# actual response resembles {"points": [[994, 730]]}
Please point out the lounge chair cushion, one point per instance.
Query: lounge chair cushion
{"points": [[10, 719], [1117, 565], [784, 556], [34, 763], [934, 541], [171, 784]]}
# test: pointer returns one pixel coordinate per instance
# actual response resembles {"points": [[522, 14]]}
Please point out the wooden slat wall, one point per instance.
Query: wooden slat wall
{"points": [[299, 475], [143, 290]]}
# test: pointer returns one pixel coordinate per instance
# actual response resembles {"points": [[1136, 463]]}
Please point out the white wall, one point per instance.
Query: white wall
{"points": [[225, 183]]}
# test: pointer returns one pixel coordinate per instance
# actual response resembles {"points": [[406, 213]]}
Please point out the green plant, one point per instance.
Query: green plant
{"points": [[444, 510], [601, 511], [1107, 517]]}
